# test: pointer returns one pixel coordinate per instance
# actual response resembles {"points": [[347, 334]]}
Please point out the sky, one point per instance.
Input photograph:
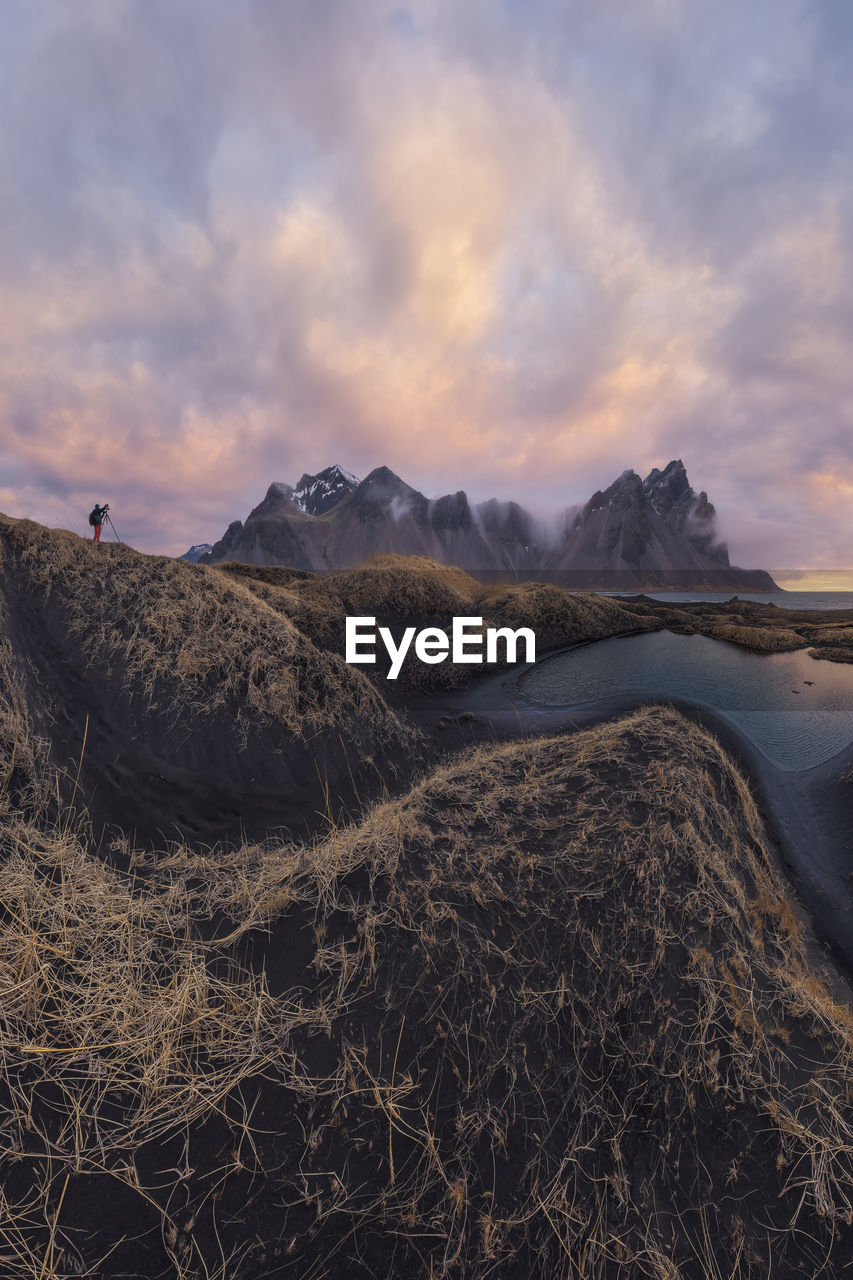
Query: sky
{"points": [[509, 246]]}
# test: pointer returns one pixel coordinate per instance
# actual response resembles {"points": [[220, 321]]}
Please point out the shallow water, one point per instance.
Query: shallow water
{"points": [[796, 710]]}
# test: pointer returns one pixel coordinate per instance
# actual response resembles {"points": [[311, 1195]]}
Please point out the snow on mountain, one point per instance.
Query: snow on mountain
{"points": [[195, 553], [317, 494]]}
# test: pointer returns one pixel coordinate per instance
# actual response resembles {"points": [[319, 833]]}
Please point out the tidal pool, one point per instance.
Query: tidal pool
{"points": [[796, 710]]}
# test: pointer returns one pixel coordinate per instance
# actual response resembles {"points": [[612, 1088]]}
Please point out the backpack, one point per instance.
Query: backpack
{"points": [[95, 516]]}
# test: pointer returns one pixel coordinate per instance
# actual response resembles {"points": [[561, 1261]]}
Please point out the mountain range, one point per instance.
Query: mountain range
{"points": [[637, 533]]}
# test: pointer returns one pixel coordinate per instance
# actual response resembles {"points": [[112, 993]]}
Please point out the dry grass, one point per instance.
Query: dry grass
{"points": [[187, 641], [553, 1014], [102, 983], [762, 627], [593, 964], [832, 654], [759, 639], [558, 616], [400, 590], [24, 774], [840, 634], [406, 590], [115, 1034]]}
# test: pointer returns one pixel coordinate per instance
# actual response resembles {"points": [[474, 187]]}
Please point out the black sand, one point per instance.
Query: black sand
{"points": [[550, 1011], [809, 813]]}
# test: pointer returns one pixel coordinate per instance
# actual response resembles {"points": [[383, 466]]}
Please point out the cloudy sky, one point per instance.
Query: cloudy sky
{"points": [[511, 246]]}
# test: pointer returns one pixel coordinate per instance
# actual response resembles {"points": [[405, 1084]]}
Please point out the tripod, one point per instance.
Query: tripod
{"points": [[112, 526]]}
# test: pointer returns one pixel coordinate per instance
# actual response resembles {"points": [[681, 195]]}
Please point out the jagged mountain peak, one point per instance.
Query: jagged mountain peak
{"points": [[317, 494], [278, 501], [675, 467], [278, 489], [673, 498], [381, 489], [627, 489], [635, 527], [665, 488], [335, 474], [384, 477]]}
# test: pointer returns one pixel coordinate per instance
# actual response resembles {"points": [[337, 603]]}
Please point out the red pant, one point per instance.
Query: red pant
{"points": [[97, 537]]}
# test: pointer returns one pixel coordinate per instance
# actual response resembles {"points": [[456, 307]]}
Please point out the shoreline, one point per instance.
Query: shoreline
{"points": [[805, 813]]}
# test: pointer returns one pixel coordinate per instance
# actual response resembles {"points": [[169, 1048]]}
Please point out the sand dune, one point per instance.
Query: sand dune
{"points": [[203, 711], [548, 1008]]}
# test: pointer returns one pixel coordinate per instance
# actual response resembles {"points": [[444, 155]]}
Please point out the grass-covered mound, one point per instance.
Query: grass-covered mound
{"points": [[760, 639], [836, 643], [414, 590], [838, 636], [389, 587], [757, 625], [833, 653], [558, 616], [182, 690], [401, 591], [550, 1013]]}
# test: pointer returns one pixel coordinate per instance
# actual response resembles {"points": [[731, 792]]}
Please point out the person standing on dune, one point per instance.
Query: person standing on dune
{"points": [[96, 518]]}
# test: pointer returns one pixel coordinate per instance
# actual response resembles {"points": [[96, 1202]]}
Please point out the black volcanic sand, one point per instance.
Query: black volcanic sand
{"points": [[93, 641], [809, 812], [553, 1007], [544, 1015], [156, 775]]}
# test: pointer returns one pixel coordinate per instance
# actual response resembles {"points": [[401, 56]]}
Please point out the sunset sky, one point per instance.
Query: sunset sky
{"points": [[510, 246]]}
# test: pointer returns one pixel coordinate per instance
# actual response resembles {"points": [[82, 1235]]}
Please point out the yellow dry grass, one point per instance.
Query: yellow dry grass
{"points": [[760, 639], [838, 636], [559, 616], [584, 939], [831, 653], [567, 1016], [401, 590], [189, 640]]}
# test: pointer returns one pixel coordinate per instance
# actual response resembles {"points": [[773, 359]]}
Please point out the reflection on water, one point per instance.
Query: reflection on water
{"points": [[796, 710]]}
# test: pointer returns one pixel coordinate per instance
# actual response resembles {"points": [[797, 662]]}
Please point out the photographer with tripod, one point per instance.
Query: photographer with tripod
{"points": [[97, 516]]}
